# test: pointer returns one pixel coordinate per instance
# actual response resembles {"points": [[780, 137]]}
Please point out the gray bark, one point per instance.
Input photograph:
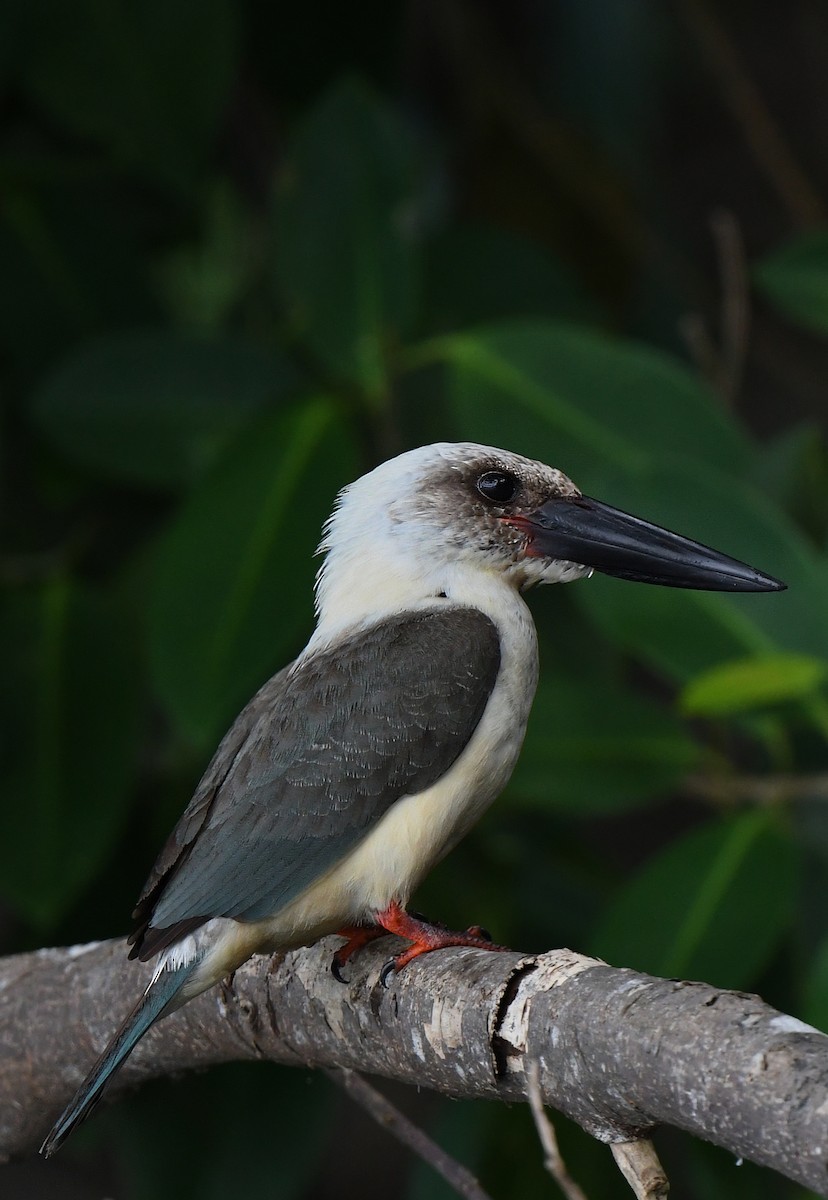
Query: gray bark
{"points": [[618, 1051]]}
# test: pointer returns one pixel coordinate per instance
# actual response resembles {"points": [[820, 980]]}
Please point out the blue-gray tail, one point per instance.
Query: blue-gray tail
{"points": [[157, 1001]]}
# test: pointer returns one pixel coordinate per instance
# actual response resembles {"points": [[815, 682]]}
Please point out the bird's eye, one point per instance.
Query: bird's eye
{"points": [[499, 487]]}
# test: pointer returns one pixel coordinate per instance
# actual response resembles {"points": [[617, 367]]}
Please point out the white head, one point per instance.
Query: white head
{"points": [[433, 521], [476, 525]]}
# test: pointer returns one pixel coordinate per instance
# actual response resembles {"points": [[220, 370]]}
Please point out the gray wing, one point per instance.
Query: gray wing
{"points": [[317, 757]]}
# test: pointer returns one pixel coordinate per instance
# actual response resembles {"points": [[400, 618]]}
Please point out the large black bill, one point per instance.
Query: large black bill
{"points": [[585, 531]]}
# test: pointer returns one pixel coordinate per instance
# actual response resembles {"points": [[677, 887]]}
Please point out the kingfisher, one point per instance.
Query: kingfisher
{"points": [[361, 764]]}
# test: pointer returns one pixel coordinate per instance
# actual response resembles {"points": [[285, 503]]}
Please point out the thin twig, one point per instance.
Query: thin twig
{"points": [[735, 315], [552, 1159], [757, 789], [638, 1163], [404, 1130], [723, 366], [703, 350], [761, 131]]}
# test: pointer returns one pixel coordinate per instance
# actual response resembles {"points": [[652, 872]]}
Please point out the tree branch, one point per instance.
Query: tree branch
{"points": [[617, 1051]]}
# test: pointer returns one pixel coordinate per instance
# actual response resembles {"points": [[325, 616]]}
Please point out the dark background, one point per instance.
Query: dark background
{"points": [[249, 249]]}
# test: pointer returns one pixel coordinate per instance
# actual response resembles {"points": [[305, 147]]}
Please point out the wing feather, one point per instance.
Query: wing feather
{"points": [[317, 757]]}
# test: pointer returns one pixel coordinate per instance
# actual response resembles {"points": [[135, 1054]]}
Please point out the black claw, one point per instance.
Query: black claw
{"points": [[477, 931], [389, 969], [336, 970]]}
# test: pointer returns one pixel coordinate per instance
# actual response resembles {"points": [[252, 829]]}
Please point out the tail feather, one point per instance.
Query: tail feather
{"points": [[157, 1001]]}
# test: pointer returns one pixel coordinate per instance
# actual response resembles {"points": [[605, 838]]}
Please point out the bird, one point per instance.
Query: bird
{"points": [[361, 764]]}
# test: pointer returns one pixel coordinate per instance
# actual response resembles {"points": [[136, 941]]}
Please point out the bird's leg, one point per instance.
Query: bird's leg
{"points": [[356, 937], [425, 937]]}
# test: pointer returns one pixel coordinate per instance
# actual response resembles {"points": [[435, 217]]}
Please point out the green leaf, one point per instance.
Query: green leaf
{"points": [[232, 592], [752, 683], [155, 408], [587, 403], [202, 281], [148, 81], [71, 704], [795, 279], [792, 469], [345, 232], [594, 748], [704, 908]]}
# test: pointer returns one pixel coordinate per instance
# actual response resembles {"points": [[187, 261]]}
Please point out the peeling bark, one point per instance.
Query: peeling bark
{"points": [[618, 1051]]}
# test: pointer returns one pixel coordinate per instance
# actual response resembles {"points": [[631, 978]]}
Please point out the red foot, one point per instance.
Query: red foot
{"points": [[425, 937], [357, 937]]}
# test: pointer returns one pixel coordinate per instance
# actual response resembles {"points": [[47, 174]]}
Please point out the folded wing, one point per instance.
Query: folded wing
{"points": [[315, 760]]}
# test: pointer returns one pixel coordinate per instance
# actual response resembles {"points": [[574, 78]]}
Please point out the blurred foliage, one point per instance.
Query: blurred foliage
{"points": [[795, 278], [248, 251]]}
